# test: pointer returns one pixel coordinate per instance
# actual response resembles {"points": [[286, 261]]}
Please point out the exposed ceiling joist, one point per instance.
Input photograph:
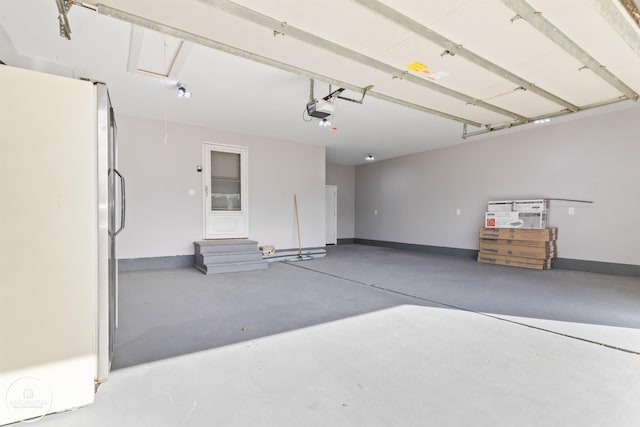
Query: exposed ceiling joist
{"points": [[63, 21], [213, 44], [624, 28], [533, 17], [503, 126], [632, 8], [455, 48], [291, 31]]}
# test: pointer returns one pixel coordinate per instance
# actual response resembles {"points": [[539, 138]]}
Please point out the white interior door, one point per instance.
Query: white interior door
{"points": [[331, 194], [225, 186]]}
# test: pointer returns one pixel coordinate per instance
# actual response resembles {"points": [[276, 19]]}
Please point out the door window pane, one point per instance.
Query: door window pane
{"points": [[225, 181]]}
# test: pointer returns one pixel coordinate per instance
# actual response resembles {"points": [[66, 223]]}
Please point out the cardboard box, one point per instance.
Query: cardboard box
{"points": [[502, 219], [501, 206], [531, 205], [516, 259], [535, 234], [515, 262], [544, 252], [550, 245], [515, 219], [536, 205]]}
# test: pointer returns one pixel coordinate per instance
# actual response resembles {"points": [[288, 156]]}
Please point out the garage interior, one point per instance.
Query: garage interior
{"points": [[441, 107]]}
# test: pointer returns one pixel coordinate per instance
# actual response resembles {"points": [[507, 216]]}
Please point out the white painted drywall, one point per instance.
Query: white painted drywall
{"points": [[163, 220], [416, 196], [344, 177]]}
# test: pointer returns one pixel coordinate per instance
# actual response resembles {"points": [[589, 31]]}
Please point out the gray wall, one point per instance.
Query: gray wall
{"points": [[593, 159], [163, 220], [345, 178]]}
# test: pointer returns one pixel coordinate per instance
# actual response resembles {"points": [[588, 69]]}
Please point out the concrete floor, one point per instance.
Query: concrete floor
{"points": [[371, 336]]}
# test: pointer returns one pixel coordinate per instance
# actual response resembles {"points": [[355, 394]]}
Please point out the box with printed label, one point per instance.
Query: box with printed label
{"points": [[515, 261], [537, 205], [533, 234], [532, 205], [515, 219], [491, 248], [549, 245], [501, 206]]}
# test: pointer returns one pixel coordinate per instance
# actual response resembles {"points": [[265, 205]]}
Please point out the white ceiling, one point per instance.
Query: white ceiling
{"points": [[335, 41]]}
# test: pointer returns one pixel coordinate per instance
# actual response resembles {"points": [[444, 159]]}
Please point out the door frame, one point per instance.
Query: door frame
{"points": [[208, 146], [333, 188]]}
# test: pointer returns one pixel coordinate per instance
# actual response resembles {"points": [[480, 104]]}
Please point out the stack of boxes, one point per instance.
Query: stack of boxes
{"points": [[516, 233]]}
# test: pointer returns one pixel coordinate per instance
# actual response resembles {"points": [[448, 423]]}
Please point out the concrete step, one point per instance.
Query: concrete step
{"points": [[222, 246], [227, 256], [232, 267]]}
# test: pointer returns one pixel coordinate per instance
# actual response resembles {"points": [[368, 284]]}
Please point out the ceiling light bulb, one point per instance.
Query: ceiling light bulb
{"points": [[183, 92], [324, 123], [369, 157]]}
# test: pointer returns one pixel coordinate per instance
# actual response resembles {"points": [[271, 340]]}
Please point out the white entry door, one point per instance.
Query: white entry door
{"points": [[331, 194], [225, 186]]}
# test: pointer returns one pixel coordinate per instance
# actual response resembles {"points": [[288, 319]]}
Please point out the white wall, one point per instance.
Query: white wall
{"points": [[163, 220], [345, 178], [592, 159]]}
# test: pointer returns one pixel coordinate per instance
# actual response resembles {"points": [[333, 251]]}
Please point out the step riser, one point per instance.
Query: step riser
{"points": [[223, 250], [228, 258], [225, 247], [233, 268]]}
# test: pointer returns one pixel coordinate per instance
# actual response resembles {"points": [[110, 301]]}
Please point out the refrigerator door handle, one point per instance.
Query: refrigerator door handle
{"points": [[123, 202]]}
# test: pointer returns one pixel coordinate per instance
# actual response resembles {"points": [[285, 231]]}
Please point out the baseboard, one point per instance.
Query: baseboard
{"points": [[440, 250], [561, 263], [187, 261], [346, 241], [598, 267], [155, 263]]}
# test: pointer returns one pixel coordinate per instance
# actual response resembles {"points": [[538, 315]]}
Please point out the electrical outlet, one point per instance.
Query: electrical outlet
{"points": [[458, 212], [571, 211], [191, 192], [375, 211]]}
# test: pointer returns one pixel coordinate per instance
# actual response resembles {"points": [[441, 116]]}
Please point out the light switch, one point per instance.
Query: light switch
{"points": [[457, 211], [192, 192], [375, 211]]}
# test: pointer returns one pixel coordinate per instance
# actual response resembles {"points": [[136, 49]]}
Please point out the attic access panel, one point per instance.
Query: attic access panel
{"points": [[155, 54]]}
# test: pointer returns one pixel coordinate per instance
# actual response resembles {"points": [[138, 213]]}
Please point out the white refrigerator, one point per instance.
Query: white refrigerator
{"points": [[61, 207]]}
